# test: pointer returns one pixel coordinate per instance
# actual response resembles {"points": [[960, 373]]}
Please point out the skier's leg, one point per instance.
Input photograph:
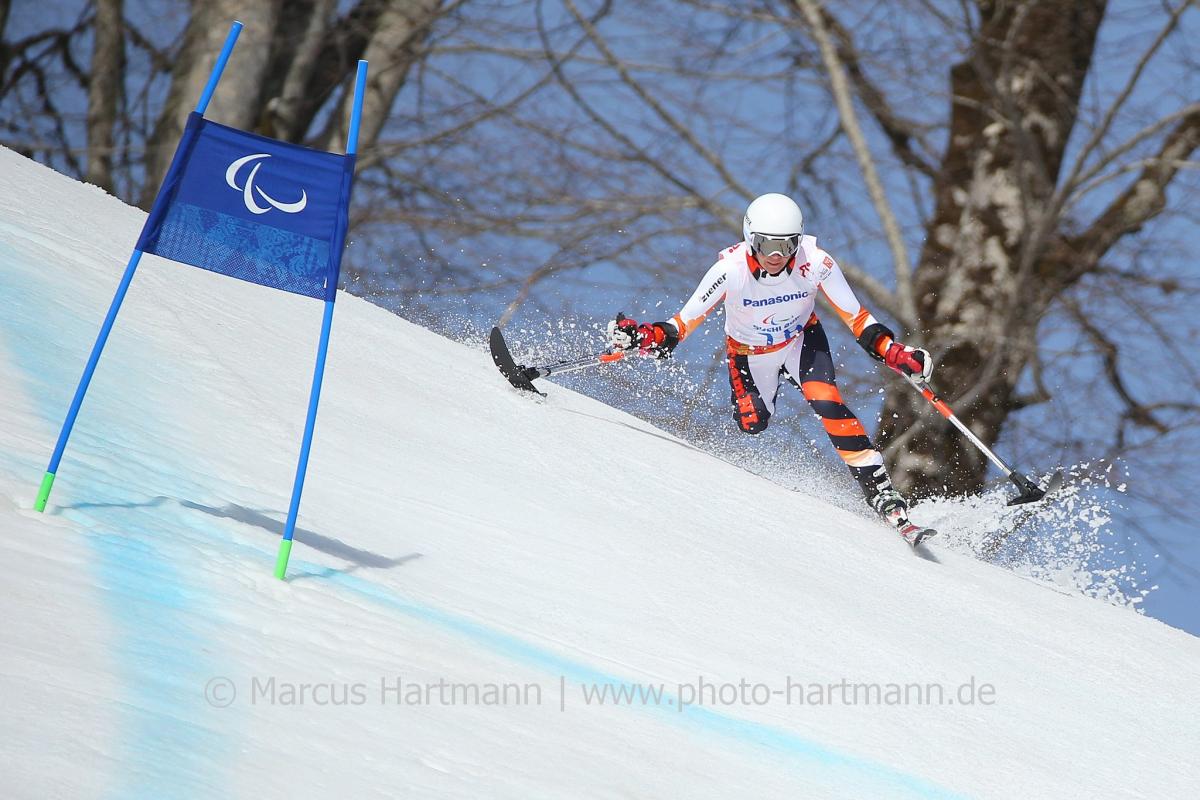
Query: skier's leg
{"points": [[753, 384], [815, 377]]}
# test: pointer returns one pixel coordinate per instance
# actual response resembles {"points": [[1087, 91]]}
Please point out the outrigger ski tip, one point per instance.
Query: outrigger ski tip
{"points": [[1030, 492], [522, 377], [516, 374]]}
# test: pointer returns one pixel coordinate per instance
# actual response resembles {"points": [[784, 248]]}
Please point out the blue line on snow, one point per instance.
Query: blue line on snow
{"points": [[159, 656], [699, 718], [169, 753], [848, 773]]}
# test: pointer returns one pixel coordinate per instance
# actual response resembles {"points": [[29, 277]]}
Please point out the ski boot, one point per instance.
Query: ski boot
{"points": [[892, 507]]}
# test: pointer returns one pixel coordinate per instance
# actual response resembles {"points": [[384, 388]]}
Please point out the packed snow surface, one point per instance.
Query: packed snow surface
{"points": [[491, 595]]}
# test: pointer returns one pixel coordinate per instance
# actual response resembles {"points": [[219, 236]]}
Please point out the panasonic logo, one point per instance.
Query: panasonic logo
{"points": [[771, 301]]}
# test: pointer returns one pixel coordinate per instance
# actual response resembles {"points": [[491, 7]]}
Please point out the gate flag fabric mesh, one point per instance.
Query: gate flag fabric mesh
{"points": [[253, 208]]}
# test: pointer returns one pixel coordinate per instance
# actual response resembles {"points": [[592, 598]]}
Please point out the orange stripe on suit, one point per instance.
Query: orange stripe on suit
{"points": [[819, 390], [844, 427]]}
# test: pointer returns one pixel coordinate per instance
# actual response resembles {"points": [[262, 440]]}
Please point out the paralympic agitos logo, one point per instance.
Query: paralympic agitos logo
{"points": [[771, 301], [250, 191]]}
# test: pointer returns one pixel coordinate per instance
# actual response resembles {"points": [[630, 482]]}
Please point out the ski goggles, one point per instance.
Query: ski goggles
{"points": [[785, 246]]}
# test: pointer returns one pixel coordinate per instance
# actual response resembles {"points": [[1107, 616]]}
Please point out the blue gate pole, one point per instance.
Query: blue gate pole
{"points": [[218, 68], [289, 529], [101, 339]]}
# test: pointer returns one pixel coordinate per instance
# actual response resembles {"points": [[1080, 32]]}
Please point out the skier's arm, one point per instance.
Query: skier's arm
{"points": [[708, 295], [660, 338], [872, 335]]}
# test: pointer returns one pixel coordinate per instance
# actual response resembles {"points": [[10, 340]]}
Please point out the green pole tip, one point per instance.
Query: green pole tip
{"points": [[281, 563], [44, 492]]}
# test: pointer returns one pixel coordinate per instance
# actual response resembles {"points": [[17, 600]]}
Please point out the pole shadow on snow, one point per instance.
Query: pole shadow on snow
{"points": [[358, 558]]}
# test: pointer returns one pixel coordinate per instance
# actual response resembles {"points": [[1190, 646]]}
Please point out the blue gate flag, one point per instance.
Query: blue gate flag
{"points": [[253, 208]]}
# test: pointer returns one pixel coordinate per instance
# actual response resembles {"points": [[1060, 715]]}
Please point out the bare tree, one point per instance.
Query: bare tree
{"points": [[41, 78], [105, 80], [237, 102], [5, 5], [290, 77], [393, 48], [1000, 250], [296, 63]]}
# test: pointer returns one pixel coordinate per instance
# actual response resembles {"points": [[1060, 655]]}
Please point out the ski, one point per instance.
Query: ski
{"points": [[916, 535], [510, 369], [895, 515]]}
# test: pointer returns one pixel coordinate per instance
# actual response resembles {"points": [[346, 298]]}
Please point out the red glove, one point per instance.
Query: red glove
{"points": [[909, 360], [657, 339]]}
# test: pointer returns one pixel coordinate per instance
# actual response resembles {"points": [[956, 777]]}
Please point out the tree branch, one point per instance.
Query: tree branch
{"points": [[878, 293], [392, 49], [900, 132], [682, 131], [1101, 130], [1086, 181], [849, 120], [637, 153], [1143, 200], [1135, 412]]}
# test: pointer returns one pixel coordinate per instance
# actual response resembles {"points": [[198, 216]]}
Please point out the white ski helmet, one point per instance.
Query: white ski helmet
{"points": [[773, 224]]}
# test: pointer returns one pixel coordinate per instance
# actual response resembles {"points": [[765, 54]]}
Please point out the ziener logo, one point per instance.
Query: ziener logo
{"points": [[250, 190]]}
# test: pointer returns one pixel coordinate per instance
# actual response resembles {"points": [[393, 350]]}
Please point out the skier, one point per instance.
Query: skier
{"points": [[768, 283]]}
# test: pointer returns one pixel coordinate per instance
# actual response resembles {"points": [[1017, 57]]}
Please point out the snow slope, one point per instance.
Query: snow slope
{"points": [[454, 533]]}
